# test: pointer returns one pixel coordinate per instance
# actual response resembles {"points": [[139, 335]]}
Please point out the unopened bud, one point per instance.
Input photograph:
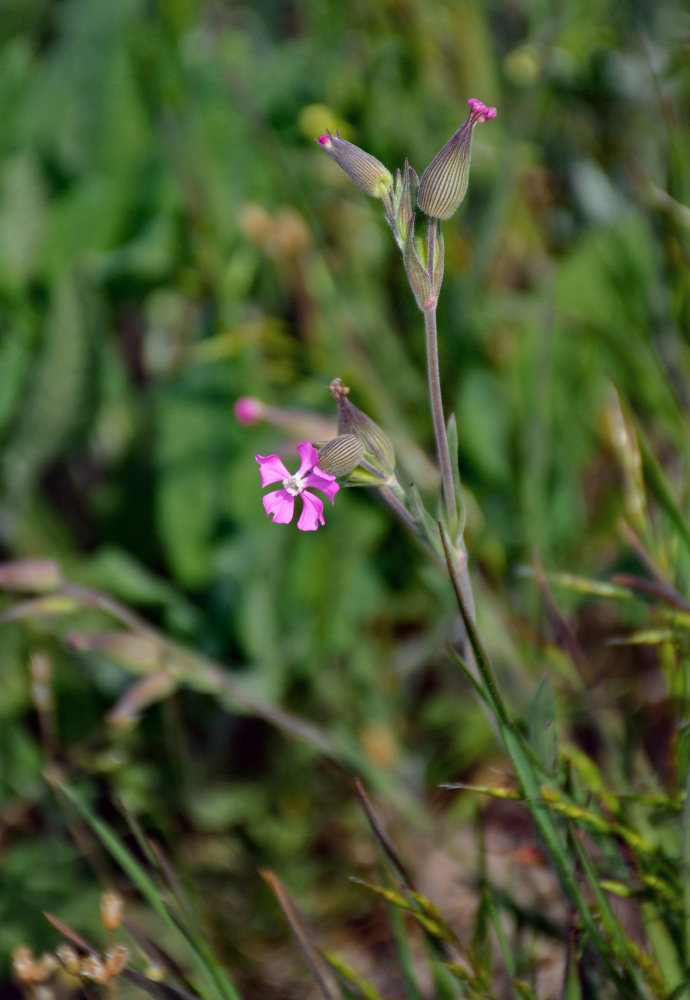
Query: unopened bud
{"points": [[400, 213], [444, 182], [248, 410], [47, 964], [116, 959], [32, 970], [365, 170], [341, 455], [111, 909], [379, 457], [93, 967], [24, 965], [69, 959], [417, 274]]}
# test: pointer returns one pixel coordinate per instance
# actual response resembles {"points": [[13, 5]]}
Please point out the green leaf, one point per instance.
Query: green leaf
{"points": [[364, 988], [191, 422], [15, 360], [541, 724], [453, 446], [685, 871], [22, 218], [59, 397], [660, 489], [425, 523]]}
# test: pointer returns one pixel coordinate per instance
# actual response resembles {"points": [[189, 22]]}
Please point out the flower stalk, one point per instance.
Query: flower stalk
{"points": [[436, 401], [361, 454]]}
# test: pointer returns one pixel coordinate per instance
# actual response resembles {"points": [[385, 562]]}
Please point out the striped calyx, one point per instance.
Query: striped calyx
{"points": [[365, 170], [444, 182], [341, 455]]}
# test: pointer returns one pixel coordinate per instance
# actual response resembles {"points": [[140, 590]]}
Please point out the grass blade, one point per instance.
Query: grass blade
{"points": [[213, 983], [529, 780], [312, 955]]}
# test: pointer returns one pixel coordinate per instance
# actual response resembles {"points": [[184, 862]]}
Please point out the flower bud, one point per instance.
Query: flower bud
{"points": [[30, 970], [417, 274], [444, 182], [364, 169], [111, 908], [69, 959], [116, 959], [93, 967], [399, 209], [248, 410], [405, 201], [341, 455], [378, 462]]}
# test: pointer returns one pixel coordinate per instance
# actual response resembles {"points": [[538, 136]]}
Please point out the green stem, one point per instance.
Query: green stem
{"points": [[437, 411], [398, 507], [462, 565]]}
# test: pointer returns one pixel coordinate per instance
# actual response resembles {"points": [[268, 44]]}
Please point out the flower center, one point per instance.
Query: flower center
{"points": [[294, 485]]}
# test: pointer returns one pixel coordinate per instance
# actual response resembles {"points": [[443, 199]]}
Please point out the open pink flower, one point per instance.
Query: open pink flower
{"points": [[281, 503]]}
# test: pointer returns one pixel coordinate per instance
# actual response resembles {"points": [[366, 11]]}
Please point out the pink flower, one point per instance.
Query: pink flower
{"points": [[479, 112], [248, 410], [281, 503]]}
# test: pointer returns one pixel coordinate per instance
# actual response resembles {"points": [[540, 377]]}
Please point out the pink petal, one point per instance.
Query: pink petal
{"points": [[272, 469], [323, 481], [479, 112], [281, 505], [312, 513], [309, 456]]}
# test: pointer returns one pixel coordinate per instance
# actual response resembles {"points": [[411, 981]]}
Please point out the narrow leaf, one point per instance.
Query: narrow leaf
{"points": [[658, 485], [212, 990], [363, 987], [453, 448], [381, 835], [529, 779], [305, 939], [541, 724]]}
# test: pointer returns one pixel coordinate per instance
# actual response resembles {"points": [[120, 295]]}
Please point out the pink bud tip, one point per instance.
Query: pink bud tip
{"points": [[248, 410], [324, 139], [479, 111]]}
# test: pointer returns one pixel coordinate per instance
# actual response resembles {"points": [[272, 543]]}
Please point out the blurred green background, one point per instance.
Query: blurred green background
{"points": [[171, 238]]}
